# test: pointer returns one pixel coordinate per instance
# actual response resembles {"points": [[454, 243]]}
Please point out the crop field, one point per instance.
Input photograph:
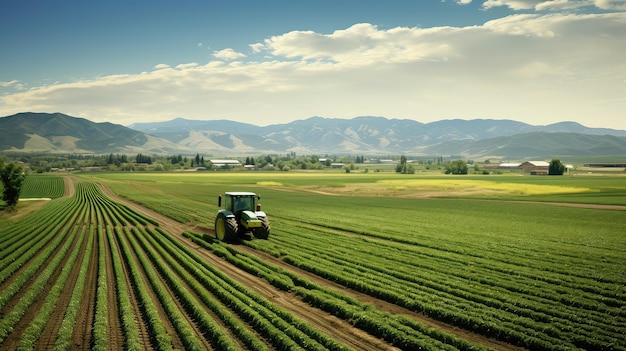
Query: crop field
{"points": [[354, 261], [42, 186]]}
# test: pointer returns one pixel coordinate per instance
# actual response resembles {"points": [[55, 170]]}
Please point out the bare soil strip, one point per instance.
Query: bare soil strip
{"points": [[114, 333], [142, 324], [81, 337], [334, 327]]}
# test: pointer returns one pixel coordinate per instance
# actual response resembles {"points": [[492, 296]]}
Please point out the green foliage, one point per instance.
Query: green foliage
{"points": [[140, 158], [556, 167], [12, 177], [42, 186], [456, 167], [403, 167]]}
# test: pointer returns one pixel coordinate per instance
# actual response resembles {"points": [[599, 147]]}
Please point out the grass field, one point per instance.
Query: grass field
{"points": [[414, 261]]}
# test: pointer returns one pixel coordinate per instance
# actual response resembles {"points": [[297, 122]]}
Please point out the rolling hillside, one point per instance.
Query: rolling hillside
{"points": [[59, 133], [56, 132], [378, 135]]}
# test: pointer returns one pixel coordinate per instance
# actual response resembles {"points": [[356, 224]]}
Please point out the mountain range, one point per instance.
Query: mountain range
{"points": [[59, 133]]}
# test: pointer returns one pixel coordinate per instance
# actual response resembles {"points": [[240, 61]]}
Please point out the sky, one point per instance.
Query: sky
{"points": [[276, 61]]}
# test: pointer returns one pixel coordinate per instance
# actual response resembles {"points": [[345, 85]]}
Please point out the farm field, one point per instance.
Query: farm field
{"points": [[354, 261]]}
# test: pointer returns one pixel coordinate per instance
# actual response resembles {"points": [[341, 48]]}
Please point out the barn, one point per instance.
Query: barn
{"points": [[535, 167]]}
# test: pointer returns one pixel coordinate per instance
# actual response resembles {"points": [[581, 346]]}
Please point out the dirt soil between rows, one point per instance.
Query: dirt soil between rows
{"points": [[336, 328]]}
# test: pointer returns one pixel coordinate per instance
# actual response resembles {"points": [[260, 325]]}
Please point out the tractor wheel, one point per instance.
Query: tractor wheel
{"points": [[264, 231], [225, 228]]}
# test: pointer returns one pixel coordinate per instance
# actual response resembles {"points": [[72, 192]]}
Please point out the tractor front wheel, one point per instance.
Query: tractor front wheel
{"points": [[225, 228], [263, 232]]}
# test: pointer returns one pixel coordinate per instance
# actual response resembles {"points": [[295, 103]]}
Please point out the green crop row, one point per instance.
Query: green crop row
{"points": [[43, 186], [280, 328], [64, 338], [383, 325], [388, 271], [10, 319], [33, 332], [129, 327]]}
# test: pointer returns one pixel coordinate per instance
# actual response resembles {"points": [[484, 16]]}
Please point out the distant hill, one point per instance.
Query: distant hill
{"points": [[379, 135], [316, 135], [56, 132]]}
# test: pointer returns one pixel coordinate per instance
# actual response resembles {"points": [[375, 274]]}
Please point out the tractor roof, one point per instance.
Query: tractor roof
{"points": [[239, 193]]}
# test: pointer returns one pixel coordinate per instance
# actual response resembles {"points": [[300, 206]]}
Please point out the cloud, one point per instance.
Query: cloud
{"points": [[362, 44], [556, 5], [539, 68], [8, 84], [619, 5], [228, 54], [512, 4], [14, 84], [186, 65]]}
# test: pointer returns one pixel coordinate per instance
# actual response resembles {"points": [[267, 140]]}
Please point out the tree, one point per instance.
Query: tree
{"points": [[556, 167], [12, 178], [400, 167], [403, 167], [456, 167]]}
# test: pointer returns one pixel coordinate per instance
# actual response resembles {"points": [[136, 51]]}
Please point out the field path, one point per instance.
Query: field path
{"points": [[329, 324]]}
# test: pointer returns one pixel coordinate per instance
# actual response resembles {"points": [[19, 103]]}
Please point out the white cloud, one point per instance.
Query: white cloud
{"points": [[14, 84], [556, 5], [363, 44], [611, 4], [8, 84], [228, 54], [512, 4], [186, 65], [535, 68]]}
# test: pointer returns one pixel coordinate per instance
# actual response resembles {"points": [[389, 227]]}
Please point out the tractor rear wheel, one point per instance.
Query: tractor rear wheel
{"points": [[263, 232], [225, 228]]}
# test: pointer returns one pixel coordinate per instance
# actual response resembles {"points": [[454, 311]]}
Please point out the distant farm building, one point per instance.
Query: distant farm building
{"points": [[535, 167], [606, 165], [225, 163], [502, 166], [508, 165]]}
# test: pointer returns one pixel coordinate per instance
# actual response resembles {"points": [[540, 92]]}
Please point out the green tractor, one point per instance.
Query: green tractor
{"points": [[240, 218]]}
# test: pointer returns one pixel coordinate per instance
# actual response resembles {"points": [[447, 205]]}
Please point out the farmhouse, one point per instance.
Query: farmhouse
{"points": [[535, 167]]}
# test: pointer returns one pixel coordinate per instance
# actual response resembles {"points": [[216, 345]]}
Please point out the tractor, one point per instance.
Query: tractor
{"points": [[240, 218]]}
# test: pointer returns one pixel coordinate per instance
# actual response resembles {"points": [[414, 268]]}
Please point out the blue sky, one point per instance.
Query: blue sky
{"points": [[267, 62]]}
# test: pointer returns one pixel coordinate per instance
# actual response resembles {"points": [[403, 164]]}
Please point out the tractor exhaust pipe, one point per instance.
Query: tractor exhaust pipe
{"points": [[219, 201]]}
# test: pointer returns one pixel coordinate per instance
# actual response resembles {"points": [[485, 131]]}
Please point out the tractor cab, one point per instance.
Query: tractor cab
{"points": [[240, 201], [240, 217]]}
